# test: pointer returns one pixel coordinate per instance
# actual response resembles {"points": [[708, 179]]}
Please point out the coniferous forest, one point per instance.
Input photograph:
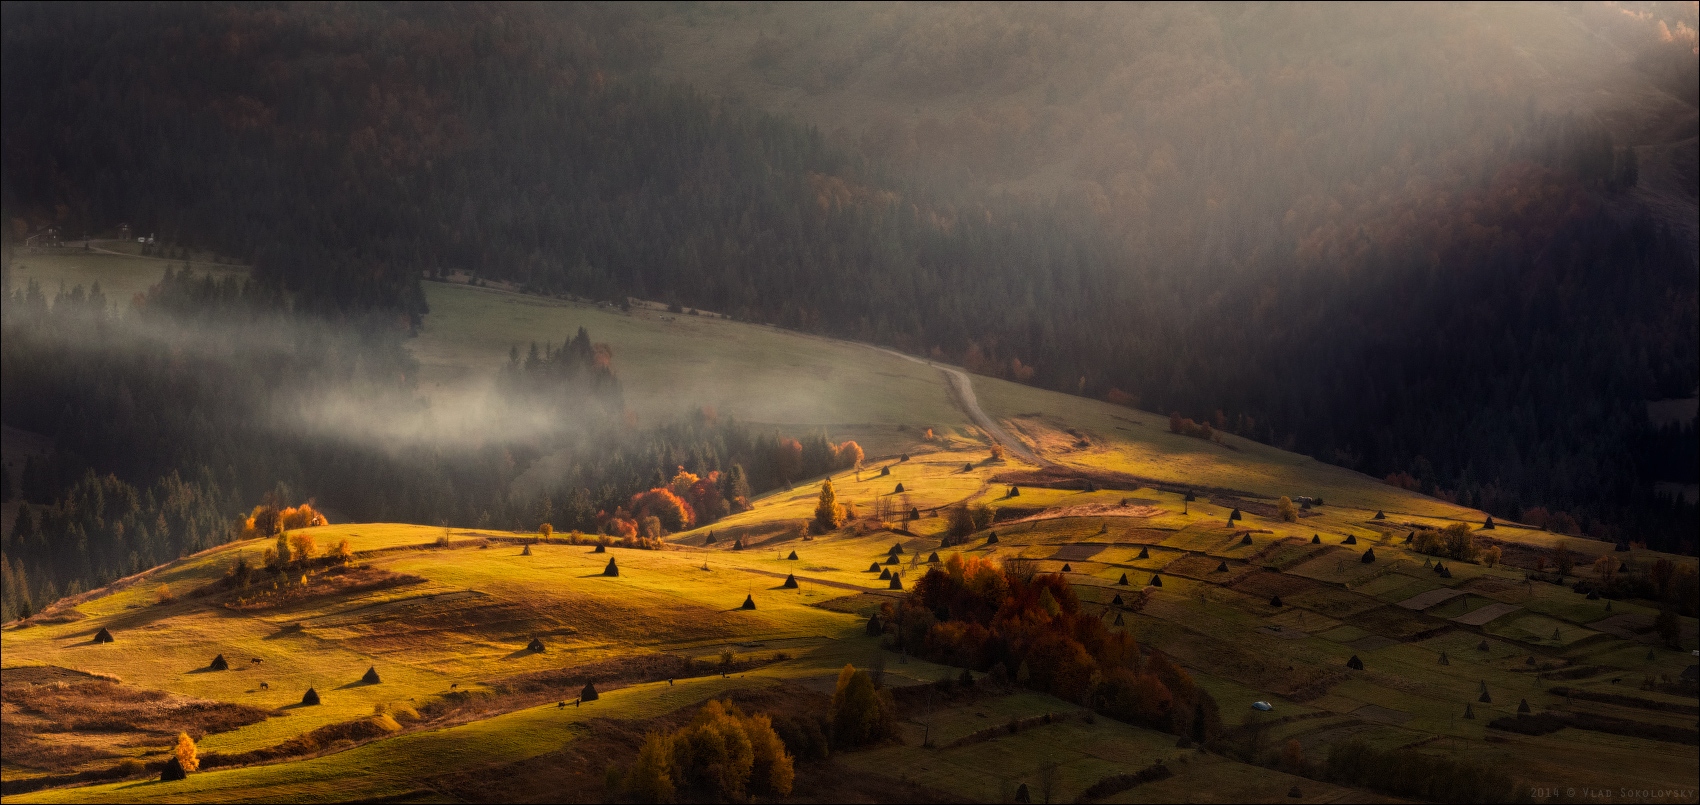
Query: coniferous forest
{"points": [[1459, 295]]}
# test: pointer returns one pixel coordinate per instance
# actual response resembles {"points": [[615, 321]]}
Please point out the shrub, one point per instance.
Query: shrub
{"points": [[1286, 510]]}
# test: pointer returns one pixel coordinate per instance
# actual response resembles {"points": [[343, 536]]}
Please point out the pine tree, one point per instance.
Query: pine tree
{"points": [[828, 514]]}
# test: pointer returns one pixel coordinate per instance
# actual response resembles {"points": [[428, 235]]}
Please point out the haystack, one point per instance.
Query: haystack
{"points": [[1470, 711], [1523, 707], [914, 513], [1222, 567], [1117, 601], [898, 490], [1015, 491], [1411, 537], [371, 675], [896, 582], [1446, 573], [1593, 595], [1379, 515], [1369, 556], [1529, 660], [536, 644], [526, 551], [710, 539], [1067, 568], [1275, 600], [1444, 660], [792, 557], [1355, 664], [884, 471], [873, 567], [612, 569], [790, 582], [589, 693], [749, 602], [218, 664], [1021, 794], [896, 549], [876, 627], [1144, 553], [102, 636], [1156, 580], [738, 544], [600, 549], [933, 557], [310, 698], [1351, 539], [1487, 525], [1118, 619], [885, 573], [1122, 581], [173, 771], [904, 457], [1485, 698], [992, 538], [1316, 539], [1234, 515], [1246, 540], [968, 466], [1482, 646]]}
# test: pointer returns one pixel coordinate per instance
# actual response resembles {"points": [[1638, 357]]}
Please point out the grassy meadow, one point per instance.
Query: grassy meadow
{"points": [[448, 612]]}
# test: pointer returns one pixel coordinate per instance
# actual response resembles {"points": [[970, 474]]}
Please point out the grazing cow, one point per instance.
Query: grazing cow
{"points": [[453, 686], [264, 686], [256, 659]]}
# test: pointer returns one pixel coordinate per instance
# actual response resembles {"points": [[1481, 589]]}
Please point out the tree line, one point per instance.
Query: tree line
{"points": [[1457, 292]]}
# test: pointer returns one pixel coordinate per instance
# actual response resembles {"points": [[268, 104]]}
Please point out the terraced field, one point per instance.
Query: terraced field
{"points": [[445, 616]]}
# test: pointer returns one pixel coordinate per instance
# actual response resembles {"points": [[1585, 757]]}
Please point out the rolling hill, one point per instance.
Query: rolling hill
{"points": [[464, 710]]}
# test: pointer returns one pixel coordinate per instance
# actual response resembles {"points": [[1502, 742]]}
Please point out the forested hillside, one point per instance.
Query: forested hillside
{"points": [[1352, 232]]}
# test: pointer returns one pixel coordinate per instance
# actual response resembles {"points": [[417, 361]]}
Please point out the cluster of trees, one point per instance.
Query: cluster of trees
{"points": [[102, 528], [1450, 285], [975, 613], [566, 379], [722, 755], [1455, 541]]}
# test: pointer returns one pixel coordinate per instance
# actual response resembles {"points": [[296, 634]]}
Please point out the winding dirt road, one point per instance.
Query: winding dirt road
{"points": [[962, 390]]}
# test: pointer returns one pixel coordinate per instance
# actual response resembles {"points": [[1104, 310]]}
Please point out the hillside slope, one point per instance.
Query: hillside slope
{"points": [[444, 617]]}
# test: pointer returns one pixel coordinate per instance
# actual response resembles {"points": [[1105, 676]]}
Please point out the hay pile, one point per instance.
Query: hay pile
{"points": [[310, 698], [103, 636], [371, 675], [612, 569], [749, 602], [218, 664], [790, 581]]}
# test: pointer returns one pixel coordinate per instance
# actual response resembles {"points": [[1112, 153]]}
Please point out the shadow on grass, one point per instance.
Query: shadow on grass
{"points": [[358, 683]]}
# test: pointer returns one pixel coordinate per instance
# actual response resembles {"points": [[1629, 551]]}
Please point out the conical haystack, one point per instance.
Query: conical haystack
{"points": [[1355, 664], [589, 693], [102, 636], [790, 581], [896, 582], [612, 569], [749, 602], [371, 675], [218, 664], [1156, 581], [1122, 581], [310, 698]]}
